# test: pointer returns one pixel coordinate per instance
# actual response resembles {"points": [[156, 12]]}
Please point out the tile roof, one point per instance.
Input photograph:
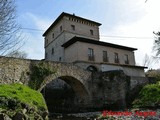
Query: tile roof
{"points": [[70, 15], [91, 41]]}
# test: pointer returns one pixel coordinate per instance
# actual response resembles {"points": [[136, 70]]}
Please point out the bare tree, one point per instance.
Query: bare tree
{"points": [[9, 28], [147, 61], [156, 46], [17, 54]]}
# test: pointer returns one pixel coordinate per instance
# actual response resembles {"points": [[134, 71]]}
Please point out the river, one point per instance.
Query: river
{"points": [[144, 114], [75, 116]]}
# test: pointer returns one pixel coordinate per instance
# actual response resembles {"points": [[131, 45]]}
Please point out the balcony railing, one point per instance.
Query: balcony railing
{"points": [[91, 57], [105, 59], [127, 62], [116, 60]]}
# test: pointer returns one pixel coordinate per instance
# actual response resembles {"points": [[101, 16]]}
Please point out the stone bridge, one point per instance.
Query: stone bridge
{"points": [[101, 89], [14, 70]]}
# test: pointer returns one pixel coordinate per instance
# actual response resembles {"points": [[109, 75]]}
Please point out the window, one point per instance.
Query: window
{"points": [[52, 51], [60, 28], [91, 32], [46, 41], [90, 54], [126, 59], [53, 35], [116, 59], [92, 68], [60, 58], [46, 56], [105, 56], [73, 27]]}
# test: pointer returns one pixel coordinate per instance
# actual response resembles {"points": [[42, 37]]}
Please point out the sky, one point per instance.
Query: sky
{"points": [[124, 22]]}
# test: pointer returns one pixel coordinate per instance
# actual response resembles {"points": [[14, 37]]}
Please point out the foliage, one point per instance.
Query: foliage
{"points": [[38, 74], [20, 93], [107, 117], [149, 96], [153, 73]]}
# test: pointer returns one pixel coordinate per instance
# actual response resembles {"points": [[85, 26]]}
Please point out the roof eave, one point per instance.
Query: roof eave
{"points": [[67, 14], [75, 39]]}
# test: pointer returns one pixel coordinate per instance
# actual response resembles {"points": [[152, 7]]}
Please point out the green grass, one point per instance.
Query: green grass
{"points": [[23, 94]]}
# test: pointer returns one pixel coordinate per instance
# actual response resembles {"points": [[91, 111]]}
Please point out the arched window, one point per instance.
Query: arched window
{"points": [[92, 68]]}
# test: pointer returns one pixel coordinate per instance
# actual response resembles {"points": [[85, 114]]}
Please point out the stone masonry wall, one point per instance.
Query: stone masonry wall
{"points": [[14, 70], [115, 90], [11, 70]]}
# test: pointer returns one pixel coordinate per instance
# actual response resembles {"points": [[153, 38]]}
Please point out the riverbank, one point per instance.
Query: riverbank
{"points": [[75, 116], [110, 115]]}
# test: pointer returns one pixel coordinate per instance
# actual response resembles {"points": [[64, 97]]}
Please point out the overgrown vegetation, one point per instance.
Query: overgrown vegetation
{"points": [[149, 97], [107, 117], [38, 74], [23, 94], [153, 73], [17, 98]]}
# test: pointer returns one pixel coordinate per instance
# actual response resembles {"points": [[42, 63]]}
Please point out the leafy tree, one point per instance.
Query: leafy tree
{"points": [[9, 28]]}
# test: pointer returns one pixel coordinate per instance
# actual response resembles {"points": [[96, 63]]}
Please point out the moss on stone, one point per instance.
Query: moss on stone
{"points": [[38, 74], [17, 98]]}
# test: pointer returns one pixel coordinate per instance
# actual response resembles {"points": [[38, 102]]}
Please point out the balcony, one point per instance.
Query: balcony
{"points": [[116, 60], [91, 57], [127, 62], [105, 59]]}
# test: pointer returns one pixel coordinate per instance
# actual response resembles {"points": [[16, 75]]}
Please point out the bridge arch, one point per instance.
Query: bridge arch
{"points": [[71, 74], [78, 87], [80, 96], [92, 68]]}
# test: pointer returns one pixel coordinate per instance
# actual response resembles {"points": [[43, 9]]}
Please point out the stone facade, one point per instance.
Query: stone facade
{"points": [[64, 28], [135, 71], [11, 70], [79, 52], [114, 89]]}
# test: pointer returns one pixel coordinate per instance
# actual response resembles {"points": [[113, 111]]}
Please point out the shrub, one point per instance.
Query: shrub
{"points": [[149, 96]]}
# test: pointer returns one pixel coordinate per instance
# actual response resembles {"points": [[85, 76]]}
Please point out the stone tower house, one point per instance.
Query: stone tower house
{"points": [[74, 39], [65, 27]]}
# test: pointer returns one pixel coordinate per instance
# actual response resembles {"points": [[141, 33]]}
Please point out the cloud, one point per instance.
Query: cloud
{"points": [[39, 21], [33, 45], [34, 42], [138, 27]]}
